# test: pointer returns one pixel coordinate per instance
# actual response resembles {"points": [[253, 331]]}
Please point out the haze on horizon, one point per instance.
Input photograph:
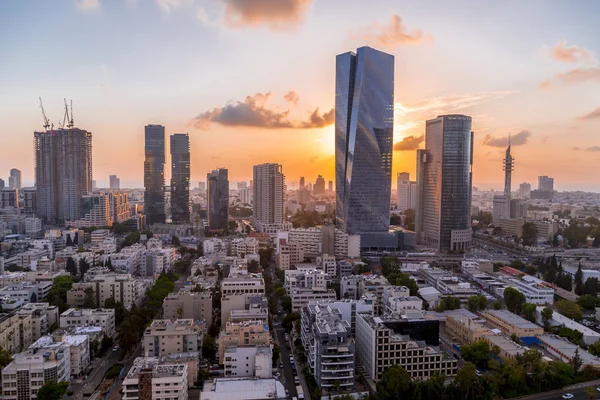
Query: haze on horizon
{"points": [[253, 81]]}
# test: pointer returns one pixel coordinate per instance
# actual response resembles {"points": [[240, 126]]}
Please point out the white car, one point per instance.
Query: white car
{"points": [[567, 396]]}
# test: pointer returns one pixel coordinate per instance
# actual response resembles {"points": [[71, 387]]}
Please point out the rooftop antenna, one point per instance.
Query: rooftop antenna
{"points": [[46, 122], [508, 139], [71, 123]]}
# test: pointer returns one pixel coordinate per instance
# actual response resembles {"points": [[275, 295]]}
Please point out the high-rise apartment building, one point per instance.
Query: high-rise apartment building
{"points": [[364, 124], [218, 199], [301, 182], [154, 174], [524, 190], [63, 172], [114, 182], [330, 186], [444, 167], [202, 187], [15, 178], [406, 192], [268, 190], [94, 211], [180, 178], [9, 197], [242, 185], [319, 187], [545, 183]]}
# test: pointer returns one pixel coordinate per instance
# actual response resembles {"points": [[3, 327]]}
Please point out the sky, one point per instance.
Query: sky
{"points": [[252, 81]]}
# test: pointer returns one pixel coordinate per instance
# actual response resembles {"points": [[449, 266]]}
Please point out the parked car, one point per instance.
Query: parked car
{"points": [[115, 348], [567, 396], [296, 380]]}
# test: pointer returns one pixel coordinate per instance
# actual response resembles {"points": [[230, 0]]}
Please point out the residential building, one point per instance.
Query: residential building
{"points": [[328, 264], [189, 305], [242, 247], [9, 197], [302, 297], [15, 174], [94, 211], [378, 347], [63, 173], [30, 370], [524, 190], [79, 349], [465, 329], [364, 128], [289, 254], [154, 174], [43, 317], [114, 182], [218, 199], [348, 309], [33, 226], [251, 361], [149, 379], [243, 389], [268, 189], [164, 337], [247, 333], [375, 284], [511, 323], [545, 183], [327, 340], [30, 201], [256, 308], [122, 288], [443, 217], [16, 332], [236, 291], [305, 277], [406, 192], [103, 317], [119, 207]]}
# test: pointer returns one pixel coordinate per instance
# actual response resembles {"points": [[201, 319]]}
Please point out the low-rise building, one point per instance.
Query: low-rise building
{"points": [[236, 291], [252, 361], [302, 297], [79, 317], [248, 333], [535, 292], [243, 389], [43, 317], [511, 323], [16, 332], [164, 337], [149, 379], [242, 247], [79, 349], [189, 305], [466, 329], [590, 336], [565, 350], [507, 348]]}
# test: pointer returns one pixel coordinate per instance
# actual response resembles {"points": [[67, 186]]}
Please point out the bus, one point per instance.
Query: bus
{"points": [[300, 392]]}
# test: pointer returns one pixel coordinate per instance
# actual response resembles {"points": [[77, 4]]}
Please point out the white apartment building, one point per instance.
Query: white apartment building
{"points": [[535, 292], [149, 379], [328, 264], [129, 260], [29, 292], [247, 333], [214, 246], [243, 389], [189, 305], [315, 242], [406, 192], [398, 305], [33, 226], [347, 308], [234, 293], [349, 286], [305, 278], [164, 337], [241, 247], [16, 332], [99, 235], [122, 288], [302, 297], [103, 317], [79, 349], [30, 370], [374, 284], [379, 347], [43, 316], [251, 361], [453, 286], [157, 261], [289, 254]]}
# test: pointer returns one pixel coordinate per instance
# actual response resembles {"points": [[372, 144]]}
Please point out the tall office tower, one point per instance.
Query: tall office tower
{"points": [[406, 192], [330, 186], [114, 182], [545, 184], [1, 183], [524, 190], [29, 200], [202, 187], [364, 125], [154, 174], [180, 178], [301, 182], [218, 199], [63, 172], [242, 185], [268, 189], [444, 173], [15, 176], [319, 187]]}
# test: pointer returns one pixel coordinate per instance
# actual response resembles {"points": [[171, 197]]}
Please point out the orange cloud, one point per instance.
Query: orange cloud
{"points": [[392, 34], [254, 112], [571, 54], [409, 143], [515, 140], [573, 77], [276, 15], [291, 97], [592, 115]]}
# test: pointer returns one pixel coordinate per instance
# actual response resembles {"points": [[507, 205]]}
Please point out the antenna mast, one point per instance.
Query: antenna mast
{"points": [[71, 123], [46, 122]]}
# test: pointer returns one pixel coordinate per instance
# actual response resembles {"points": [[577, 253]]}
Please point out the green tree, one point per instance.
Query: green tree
{"points": [[53, 390], [84, 266], [466, 380], [279, 292], [394, 384], [89, 300], [71, 267], [395, 219], [529, 312], [514, 300], [57, 295], [5, 359], [588, 302], [579, 287], [209, 348], [253, 266], [577, 362], [108, 264], [477, 302], [569, 309], [477, 352], [529, 234], [591, 287], [497, 305], [175, 241], [94, 348], [286, 303], [546, 317], [594, 348], [409, 219]]}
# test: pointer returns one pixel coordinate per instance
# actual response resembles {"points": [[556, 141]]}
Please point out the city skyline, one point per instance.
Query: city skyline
{"points": [[540, 87]]}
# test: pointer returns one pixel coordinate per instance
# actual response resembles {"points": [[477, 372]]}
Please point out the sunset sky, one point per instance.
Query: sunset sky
{"points": [[252, 81]]}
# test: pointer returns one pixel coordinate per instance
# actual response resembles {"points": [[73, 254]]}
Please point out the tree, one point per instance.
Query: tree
{"points": [[529, 234], [179, 312], [209, 348], [514, 300], [200, 249], [175, 241], [84, 266], [57, 296], [279, 292], [530, 270], [275, 355], [409, 219], [594, 348], [448, 303], [569, 309], [94, 348], [53, 390], [253, 266], [466, 379], [591, 287], [529, 312], [579, 288], [546, 317], [588, 302], [88, 300], [5, 359], [477, 302], [394, 384], [395, 219], [477, 352], [577, 362], [71, 267], [108, 264]]}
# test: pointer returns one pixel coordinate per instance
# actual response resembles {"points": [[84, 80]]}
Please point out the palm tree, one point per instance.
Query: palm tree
{"points": [[179, 312]]}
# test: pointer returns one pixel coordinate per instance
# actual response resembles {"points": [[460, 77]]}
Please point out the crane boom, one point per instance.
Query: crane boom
{"points": [[71, 123], [46, 121]]}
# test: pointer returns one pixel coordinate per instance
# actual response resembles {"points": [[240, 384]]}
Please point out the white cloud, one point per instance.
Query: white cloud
{"points": [[88, 5]]}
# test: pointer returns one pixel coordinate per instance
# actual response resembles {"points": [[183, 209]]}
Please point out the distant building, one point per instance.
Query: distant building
{"points": [[247, 333], [511, 323], [243, 389], [151, 379], [114, 182], [545, 183], [95, 210], [524, 190], [189, 305], [235, 292], [218, 199], [102, 317], [268, 190], [15, 179], [406, 192], [9, 197], [154, 174], [180, 178], [319, 187], [164, 337]]}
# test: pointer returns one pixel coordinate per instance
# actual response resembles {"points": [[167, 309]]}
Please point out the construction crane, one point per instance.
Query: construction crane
{"points": [[71, 123], [46, 121], [65, 120]]}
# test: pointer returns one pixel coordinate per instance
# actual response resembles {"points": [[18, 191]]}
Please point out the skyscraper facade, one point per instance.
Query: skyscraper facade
{"points": [[63, 173], [545, 184], [319, 187], [218, 199], [406, 192], [154, 174], [301, 182], [114, 182], [268, 188], [364, 124], [180, 178], [444, 181], [15, 178], [524, 190]]}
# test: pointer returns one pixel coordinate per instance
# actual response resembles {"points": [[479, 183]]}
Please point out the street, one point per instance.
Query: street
{"points": [[578, 394], [99, 368], [287, 376]]}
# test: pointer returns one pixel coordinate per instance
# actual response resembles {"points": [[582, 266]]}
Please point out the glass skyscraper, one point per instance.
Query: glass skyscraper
{"points": [[180, 178], [154, 174], [218, 199], [364, 125], [444, 169]]}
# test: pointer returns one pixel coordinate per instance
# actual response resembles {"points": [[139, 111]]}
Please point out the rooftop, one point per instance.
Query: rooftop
{"points": [[244, 389], [568, 348], [510, 318]]}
